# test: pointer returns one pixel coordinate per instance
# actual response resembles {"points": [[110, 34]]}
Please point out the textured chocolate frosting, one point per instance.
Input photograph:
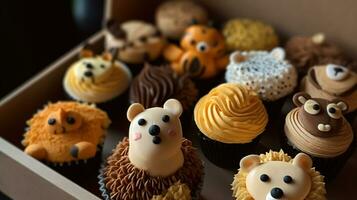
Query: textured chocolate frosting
{"points": [[156, 84], [305, 52], [125, 181]]}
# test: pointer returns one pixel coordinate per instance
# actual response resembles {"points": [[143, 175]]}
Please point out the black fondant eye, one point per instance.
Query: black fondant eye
{"points": [[332, 110], [264, 178], [288, 179], [143, 39], [70, 120], [142, 122], [51, 121], [193, 42], [316, 107], [89, 65], [102, 66], [165, 118]]}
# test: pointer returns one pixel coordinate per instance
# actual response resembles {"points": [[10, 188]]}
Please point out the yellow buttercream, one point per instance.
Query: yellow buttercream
{"points": [[111, 84], [230, 113]]}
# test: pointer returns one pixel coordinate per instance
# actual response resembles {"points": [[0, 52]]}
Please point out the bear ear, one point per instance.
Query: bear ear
{"points": [[107, 56], [134, 110], [278, 53], [342, 105], [86, 53], [300, 98], [249, 162], [237, 57], [173, 106], [303, 161]]}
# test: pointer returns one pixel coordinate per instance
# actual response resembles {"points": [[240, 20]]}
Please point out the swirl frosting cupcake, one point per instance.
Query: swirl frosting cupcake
{"points": [[96, 79], [318, 128], [230, 118], [156, 84]]}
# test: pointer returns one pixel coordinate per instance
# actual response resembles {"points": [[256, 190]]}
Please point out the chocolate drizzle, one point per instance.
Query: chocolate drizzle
{"points": [[154, 85], [304, 53], [125, 181]]}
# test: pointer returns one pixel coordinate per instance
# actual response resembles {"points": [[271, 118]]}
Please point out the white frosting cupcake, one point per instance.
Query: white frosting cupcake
{"points": [[267, 73]]}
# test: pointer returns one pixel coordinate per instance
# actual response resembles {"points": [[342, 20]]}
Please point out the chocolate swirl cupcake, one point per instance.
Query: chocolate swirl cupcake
{"points": [[156, 84]]}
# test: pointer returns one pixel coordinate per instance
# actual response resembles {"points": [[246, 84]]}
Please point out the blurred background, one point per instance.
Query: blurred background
{"points": [[35, 33]]}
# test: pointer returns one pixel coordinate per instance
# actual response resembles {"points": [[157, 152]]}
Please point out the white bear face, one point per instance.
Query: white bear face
{"points": [[155, 137], [277, 179], [92, 69]]}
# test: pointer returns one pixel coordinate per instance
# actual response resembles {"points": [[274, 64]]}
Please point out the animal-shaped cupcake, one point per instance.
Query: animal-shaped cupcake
{"points": [[317, 127], [202, 52], [330, 82], [275, 175], [134, 41], [96, 78], [65, 131], [154, 157]]}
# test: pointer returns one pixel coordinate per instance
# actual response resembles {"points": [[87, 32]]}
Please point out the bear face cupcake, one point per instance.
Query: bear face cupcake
{"points": [[332, 82], [266, 73], [134, 41], [249, 35], [153, 158], [230, 118], [96, 78], [173, 17], [275, 175], [156, 84], [305, 52], [317, 127], [65, 131], [201, 54]]}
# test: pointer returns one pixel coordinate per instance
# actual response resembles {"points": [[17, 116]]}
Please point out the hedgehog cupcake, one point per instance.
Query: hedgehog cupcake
{"points": [[65, 131], [154, 157], [275, 175]]}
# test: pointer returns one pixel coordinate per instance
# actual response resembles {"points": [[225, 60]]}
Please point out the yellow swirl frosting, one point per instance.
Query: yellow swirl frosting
{"points": [[230, 113], [96, 80]]}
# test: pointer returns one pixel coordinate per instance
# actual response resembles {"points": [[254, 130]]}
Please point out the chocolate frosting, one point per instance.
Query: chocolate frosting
{"points": [[125, 181], [304, 53], [156, 84]]}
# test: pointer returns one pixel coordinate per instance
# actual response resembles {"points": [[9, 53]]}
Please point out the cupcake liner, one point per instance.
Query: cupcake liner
{"points": [[329, 167], [105, 193], [226, 155]]}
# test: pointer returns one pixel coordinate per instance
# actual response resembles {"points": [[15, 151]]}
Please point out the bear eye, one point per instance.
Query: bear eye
{"points": [[70, 120], [193, 42], [51, 121], [264, 178], [165, 118], [288, 179], [312, 107], [142, 122], [102, 66], [333, 111]]}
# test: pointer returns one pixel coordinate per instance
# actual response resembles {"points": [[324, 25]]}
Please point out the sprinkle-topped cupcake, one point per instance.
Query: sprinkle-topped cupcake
{"points": [[230, 119], [266, 73], [275, 175], [156, 84], [96, 79], [153, 158], [65, 131]]}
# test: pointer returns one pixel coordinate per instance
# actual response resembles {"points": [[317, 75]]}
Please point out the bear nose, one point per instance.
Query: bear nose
{"points": [[277, 193], [154, 130]]}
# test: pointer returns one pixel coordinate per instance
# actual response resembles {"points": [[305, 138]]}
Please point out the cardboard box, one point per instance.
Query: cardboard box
{"points": [[22, 177]]}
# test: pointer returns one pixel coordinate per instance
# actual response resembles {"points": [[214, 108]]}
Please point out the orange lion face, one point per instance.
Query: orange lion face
{"points": [[204, 40]]}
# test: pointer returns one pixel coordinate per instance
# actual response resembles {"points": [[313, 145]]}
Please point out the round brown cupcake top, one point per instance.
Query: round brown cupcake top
{"points": [[305, 52], [156, 84], [124, 181]]}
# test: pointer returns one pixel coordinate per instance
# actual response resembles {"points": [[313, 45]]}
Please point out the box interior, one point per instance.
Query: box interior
{"points": [[289, 18]]}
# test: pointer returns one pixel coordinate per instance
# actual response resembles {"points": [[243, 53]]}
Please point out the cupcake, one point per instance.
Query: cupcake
{"points": [[65, 132], [96, 79], [230, 119], [173, 17], [134, 41], [266, 73], [275, 175], [201, 53], [156, 84], [305, 52], [332, 82], [317, 127], [154, 157], [248, 35]]}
